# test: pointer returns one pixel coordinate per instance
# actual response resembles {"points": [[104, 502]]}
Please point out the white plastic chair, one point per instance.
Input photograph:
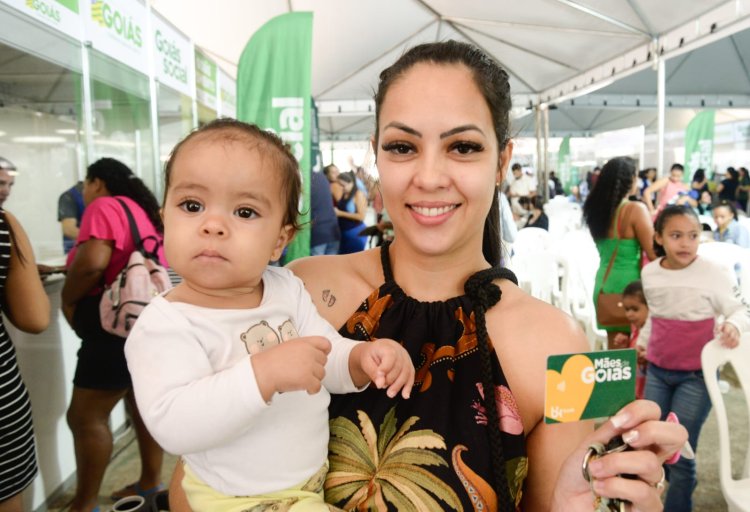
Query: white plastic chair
{"points": [[732, 257], [736, 492], [708, 220]]}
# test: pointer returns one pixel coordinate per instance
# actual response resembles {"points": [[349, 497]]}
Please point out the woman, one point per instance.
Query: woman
{"points": [[537, 218], [440, 170], [668, 187], [743, 189], [101, 379], [351, 210], [25, 304], [699, 184], [727, 189], [646, 177], [332, 174], [617, 224]]}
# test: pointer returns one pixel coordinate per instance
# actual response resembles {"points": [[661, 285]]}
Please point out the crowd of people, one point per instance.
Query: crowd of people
{"points": [[403, 376]]}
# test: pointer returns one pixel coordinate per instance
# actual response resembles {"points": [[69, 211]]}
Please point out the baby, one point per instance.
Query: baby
{"points": [[232, 368]]}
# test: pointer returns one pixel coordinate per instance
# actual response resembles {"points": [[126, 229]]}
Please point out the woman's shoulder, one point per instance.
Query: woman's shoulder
{"points": [[534, 324], [338, 284]]}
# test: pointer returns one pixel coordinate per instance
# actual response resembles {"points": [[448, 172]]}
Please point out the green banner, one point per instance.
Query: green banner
{"points": [[565, 172], [699, 143], [273, 91]]}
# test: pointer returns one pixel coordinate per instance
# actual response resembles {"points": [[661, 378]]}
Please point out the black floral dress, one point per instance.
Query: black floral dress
{"points": [[430, 452]]}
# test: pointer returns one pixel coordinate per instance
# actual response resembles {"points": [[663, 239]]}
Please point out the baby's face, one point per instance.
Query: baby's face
{"points": [[223, 216], [636, 311]]}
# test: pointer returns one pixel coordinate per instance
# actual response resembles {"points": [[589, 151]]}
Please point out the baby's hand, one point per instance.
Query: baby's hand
{"points": [[728, 334], [641, 354], [621, 340], [387, 364], [292, 366]]}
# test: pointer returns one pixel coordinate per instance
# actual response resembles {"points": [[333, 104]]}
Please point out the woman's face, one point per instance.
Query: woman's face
{"points": [[438, 159], [93, 189], [675, 175], [333, 173], [346, 185], [723, 216], [651, 175]]}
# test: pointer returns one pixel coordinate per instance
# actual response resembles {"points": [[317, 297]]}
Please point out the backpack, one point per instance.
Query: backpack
{"points": [[142, 279]]}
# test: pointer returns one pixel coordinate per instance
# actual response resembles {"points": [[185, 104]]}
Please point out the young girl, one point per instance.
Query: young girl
{"points": [[728, 229], [685, 294], [224, 363], [636, 311]]}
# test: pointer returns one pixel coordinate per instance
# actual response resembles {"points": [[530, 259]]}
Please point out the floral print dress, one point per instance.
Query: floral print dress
{"points": [[432, 451]]}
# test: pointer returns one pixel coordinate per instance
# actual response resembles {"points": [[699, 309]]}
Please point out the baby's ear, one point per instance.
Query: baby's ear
{"points": [[286, 235]]}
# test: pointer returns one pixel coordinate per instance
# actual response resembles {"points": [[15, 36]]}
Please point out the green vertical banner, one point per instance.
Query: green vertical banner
{"points": [[273, 91], [564, 169], [699, 143]]}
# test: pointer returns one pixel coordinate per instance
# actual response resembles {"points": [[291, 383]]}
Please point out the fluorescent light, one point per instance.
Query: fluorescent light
{"points": [[71, 131], [2, 133], [115, 143], [39, 139]]}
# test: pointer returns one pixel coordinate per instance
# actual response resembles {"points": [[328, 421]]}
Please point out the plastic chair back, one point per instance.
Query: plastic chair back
{"points": [[736, 492]]}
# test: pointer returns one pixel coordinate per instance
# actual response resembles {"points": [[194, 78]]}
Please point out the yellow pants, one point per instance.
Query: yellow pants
{"points": [[306, 497]]}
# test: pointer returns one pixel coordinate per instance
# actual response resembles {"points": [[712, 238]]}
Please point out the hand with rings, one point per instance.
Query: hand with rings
{"points": [[621, 477]]}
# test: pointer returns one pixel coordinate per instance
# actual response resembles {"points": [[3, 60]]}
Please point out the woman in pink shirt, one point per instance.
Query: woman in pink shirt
{"points": [[101, 379], [668, 187]]}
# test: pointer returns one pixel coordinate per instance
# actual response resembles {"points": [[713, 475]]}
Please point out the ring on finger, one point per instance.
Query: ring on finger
{"points": [[660, 484]]}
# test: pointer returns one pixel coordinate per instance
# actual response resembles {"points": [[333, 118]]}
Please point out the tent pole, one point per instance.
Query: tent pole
{"points": [[545, 172], [660, 105], [538, 130]]}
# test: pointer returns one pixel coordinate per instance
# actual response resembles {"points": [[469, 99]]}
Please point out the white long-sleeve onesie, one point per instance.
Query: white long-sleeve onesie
{"points": [[198, 396]]}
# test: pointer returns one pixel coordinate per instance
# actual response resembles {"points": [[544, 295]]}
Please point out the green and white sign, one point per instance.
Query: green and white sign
{"points": [[118, 28], [699, 143], [173, 56], [273, 91], [206, 87], [227, 95], [566, 173], [62, 15]]}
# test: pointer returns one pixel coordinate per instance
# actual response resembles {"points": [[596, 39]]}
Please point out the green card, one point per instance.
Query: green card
{"points": [[588, 385]]}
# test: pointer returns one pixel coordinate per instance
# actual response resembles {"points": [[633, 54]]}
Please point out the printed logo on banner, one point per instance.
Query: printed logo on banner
{"points": [[45, 9], [121, 24], [172, 58], [291, 123]]}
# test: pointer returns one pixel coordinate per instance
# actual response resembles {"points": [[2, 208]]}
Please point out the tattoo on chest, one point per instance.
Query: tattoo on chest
{"points": [[329, 298]]}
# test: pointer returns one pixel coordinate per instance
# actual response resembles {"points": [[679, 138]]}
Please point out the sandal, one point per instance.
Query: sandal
{"points": [[135, 489]]}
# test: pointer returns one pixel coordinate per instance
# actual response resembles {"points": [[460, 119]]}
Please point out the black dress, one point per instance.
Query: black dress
{"points": [[430, 452], [17, 458]]}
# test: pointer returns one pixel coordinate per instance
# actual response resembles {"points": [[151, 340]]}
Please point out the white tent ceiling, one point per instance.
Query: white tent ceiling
{"points": [[553, 49]]}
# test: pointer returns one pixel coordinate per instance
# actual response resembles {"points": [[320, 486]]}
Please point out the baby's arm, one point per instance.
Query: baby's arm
{"points": [[187, 406], [353, 364]]}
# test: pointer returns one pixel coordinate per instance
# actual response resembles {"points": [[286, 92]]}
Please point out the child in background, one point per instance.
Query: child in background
{"points": [[728, 229], [636, 310], [233, 367], [685, 293]]}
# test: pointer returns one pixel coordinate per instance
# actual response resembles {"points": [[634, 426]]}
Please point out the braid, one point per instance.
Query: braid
{"points": [[484, 295]]}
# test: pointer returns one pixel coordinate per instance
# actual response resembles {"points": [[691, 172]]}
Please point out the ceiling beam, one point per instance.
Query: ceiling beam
{"points": [[604, 17], [740, 57], [530, 26], [639, 12]]}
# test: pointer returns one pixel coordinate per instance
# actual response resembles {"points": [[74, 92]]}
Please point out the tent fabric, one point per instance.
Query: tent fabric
{"points": [[543, 44]]}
